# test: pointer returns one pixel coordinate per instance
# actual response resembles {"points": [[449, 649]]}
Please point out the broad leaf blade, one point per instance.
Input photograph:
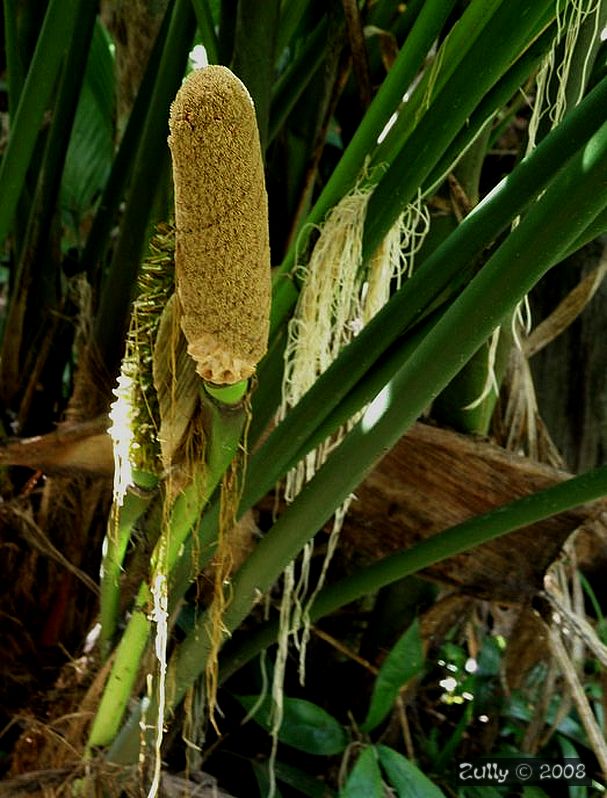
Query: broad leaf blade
{"points": [[91, 148], [405, 777], [262, 777], [35, 99], [365, 779], [305, 726], [302, 782], [403, 662]]}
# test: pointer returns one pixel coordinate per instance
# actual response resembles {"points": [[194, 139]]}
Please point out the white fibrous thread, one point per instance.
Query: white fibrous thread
{"points": [[569, 23], [160, 615], [121, 432], [338, 298]]}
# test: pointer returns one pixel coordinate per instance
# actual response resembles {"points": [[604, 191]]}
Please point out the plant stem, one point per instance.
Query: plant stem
{"points": [[465, 536], [120, 527], [225, 419], [499, 94], [448, 543]]}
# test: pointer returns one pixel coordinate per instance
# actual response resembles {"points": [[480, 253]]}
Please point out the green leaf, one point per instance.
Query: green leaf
{"points": [[301, 781], [449, 746], [569, 750], [51, 48], [262, 777], [410, 58], [405, 777], [365, 779], [507, 31], [518, 709], [305, 726], [91, 148], [206, 26], [124, 161], [534, 792], [288, 89], [15, 72], [402, 663]]}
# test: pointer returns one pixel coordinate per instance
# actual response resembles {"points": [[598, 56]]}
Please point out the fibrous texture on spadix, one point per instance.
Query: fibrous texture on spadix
{"points": [[222, 246]]}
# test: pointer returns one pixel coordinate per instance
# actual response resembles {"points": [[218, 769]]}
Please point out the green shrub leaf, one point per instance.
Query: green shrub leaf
{"points": [[534, 792], [262, 777], [305, 726], [488, 792], [303, 782], [91, 149], [402, 663], [405, 777], [365, 779]]}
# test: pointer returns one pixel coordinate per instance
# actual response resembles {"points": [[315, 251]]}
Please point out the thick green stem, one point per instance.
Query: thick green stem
{"points": [[134, 640], [468, 402], [125, 667], [596, 228], [455, 540], [120, 528], [224, 423]]}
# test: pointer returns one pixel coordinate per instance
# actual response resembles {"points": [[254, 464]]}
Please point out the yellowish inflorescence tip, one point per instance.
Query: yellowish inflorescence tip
{"points": [[222, 254]]}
